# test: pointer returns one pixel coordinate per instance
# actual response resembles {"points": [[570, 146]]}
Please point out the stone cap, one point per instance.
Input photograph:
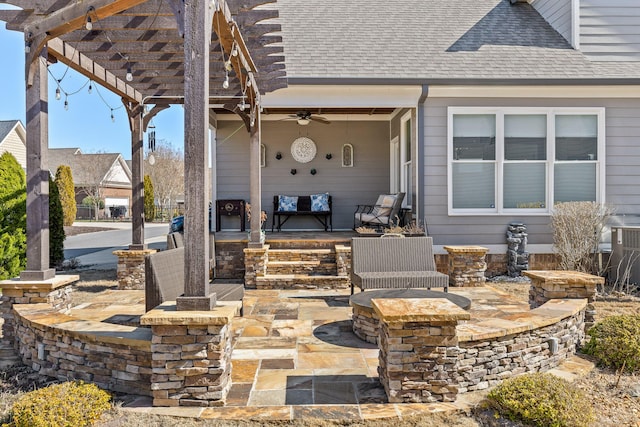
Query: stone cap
{"points": [[133, 253], [418, 310], [564, 277], [465, 249], [43, 285], [167, 314]]}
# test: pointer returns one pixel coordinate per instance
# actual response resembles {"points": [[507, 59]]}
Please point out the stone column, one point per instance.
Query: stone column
{"points": [[517, 255], [130, 270], [56, 292], [191, 355], [419, 349], [467, 265], [255, 265]]}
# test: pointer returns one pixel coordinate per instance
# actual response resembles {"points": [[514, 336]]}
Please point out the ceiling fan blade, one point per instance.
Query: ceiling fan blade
{"points": [[320, 120]]}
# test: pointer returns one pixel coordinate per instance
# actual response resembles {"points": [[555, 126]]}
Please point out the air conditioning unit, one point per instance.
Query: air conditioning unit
{"points": [[625, 255]]}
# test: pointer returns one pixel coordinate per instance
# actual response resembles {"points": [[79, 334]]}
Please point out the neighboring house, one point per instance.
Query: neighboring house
{"points": [[106, 175], [13, 138], [483, 113]]}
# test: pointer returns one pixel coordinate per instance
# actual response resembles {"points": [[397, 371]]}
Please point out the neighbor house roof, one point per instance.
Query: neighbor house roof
{"points": [[6, 126], [86, 167], [431, 40]]}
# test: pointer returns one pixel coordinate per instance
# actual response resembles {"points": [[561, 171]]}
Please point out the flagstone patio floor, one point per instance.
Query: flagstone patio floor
{"points": [[295, 356]]}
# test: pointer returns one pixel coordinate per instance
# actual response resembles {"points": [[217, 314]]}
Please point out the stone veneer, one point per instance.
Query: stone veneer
{"points": [[428, 354], [191, 355], [56, 292], [114, 357], [550, 284], [130, 269], [418, 349], [466, 265], [255, 265]]}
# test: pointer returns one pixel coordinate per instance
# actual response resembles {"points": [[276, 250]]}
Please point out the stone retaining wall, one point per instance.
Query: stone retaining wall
{"points": [[115, 357]]}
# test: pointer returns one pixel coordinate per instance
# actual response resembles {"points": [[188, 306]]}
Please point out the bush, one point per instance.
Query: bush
{"points": [[64, 183], [67, 404], [13, 217], [577, 228], [541, 400], [149, 200], [56, 227], [615, 342]]}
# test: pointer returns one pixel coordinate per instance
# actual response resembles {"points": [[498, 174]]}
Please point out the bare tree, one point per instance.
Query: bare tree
{"points": [[166, 172], [92, 172]]}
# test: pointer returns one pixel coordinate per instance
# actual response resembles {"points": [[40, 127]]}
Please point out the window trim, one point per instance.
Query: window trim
{"points": [[500, 112]]}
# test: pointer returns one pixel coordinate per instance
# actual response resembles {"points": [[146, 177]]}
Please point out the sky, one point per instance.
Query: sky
{"points": [[87, 122]]}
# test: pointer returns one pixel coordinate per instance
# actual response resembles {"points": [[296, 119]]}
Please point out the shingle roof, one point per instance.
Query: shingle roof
{"points": [[430, 40], [84, 167], [5, 127]]}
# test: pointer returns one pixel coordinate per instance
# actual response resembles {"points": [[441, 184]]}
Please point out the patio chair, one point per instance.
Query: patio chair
{"points": [[382, 214]]}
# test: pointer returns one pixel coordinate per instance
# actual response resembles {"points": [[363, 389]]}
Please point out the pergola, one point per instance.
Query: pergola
{"points": [[152, 53]]}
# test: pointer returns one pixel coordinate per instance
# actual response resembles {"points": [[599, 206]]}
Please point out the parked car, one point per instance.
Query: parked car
{"points": [[176, 224]]}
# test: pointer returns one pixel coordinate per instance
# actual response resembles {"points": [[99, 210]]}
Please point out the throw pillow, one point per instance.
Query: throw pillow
{"points": [[383, 208], [287, 203], [320, 202]]}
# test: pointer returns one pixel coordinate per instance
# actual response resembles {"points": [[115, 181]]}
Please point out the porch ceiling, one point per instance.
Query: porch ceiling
{"points": [[332, 111], [146, 36]]}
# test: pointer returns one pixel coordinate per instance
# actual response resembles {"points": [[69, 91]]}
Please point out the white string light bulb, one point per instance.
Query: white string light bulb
{"points": [[225, 83], [58, 96]]}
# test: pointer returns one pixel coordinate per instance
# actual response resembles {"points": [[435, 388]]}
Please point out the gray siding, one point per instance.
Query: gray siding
{"points": [[622, 172], [348, 187], [610, 29], [557, 13]]}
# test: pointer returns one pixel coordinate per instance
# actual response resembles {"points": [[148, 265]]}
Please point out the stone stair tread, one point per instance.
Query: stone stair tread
{"points": [[304, 251], [300, 276], [310, 262]]}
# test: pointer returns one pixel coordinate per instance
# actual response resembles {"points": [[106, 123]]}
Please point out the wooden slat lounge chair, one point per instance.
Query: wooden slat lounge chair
{"points": [[164, 280], [394, 262]]}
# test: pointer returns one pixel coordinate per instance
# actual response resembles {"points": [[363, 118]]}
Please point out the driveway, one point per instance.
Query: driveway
{"points": [[95, 249]]}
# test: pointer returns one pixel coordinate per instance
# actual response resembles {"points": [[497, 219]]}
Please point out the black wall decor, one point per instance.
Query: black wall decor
{"points": [[278, 155], [328, 156], [313, 171], [293, 171]]}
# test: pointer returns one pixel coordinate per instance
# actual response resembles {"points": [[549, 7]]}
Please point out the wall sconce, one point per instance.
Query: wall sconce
{"points": [[313, 171], [328, 156], [293, 171], [278, 155]]}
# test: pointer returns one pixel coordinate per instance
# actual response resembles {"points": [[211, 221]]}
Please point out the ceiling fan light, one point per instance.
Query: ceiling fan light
{"points": [[302, 121]]}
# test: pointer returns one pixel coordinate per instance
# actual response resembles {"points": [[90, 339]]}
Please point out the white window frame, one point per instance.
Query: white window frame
{"points": [[406, 187], [499, 113]]}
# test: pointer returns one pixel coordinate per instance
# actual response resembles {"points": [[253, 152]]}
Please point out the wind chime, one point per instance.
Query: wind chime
{"points": [[151, 144]]}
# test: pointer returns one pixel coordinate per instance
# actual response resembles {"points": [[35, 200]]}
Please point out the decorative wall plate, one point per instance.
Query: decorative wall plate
{"points": [[303, 149]]}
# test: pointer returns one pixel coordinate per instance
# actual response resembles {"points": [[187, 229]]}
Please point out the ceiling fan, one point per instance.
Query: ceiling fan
{"points": [[303, 118]]}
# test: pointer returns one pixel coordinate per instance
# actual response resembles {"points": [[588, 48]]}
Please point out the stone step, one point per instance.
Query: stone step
{"points": [[302, 255], [8, 356], [294, 267], [306, 244], [301, 281]]}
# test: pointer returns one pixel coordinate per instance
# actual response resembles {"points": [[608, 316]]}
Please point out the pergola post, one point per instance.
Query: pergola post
{"points": [[197, 39], [137, 179], [255, 182], [37, 175]]}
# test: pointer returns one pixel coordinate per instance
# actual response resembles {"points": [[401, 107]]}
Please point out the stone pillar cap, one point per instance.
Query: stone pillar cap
{"points": [[418, 310]]}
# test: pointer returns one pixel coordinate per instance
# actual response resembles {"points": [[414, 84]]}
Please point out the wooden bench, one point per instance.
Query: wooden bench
{"points": [[394, 262], [164, 280], [280, 217]]}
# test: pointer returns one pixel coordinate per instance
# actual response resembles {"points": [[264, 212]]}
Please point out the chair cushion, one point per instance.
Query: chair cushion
{"points": [[372, 219], [320, 202], [383, 208], [287, 203]]}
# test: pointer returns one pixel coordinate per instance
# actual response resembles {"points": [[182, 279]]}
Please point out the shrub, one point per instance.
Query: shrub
{"points": [[149, 200], [615, 342], [67, 404], [56, 227], [541, 400], [577, 228], [13, 217], [64, 182]]}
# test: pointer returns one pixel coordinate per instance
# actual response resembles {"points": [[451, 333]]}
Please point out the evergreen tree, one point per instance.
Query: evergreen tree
{"points": [[149, 200], [56, 226], [13, 217], [67, 191]]}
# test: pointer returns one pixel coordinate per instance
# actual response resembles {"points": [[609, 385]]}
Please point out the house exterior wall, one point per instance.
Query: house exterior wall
{"points": [[609, 29], [557, 13], [14, 145], [622, 174], [348, 186]]}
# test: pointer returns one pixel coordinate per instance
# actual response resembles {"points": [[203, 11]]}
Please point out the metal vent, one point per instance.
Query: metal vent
{"points": [[625, 254]]}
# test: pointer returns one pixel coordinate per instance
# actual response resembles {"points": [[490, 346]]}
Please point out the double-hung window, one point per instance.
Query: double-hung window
{"points": [[523, 160]]}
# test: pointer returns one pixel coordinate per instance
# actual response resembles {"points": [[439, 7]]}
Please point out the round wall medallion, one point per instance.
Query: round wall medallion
{"points": [[303, 149]]}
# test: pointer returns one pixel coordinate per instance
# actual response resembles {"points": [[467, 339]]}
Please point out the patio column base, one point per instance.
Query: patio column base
{"points": [[191, 355], [419, 349], [130, 270], [255, 265], [467, 265]]}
